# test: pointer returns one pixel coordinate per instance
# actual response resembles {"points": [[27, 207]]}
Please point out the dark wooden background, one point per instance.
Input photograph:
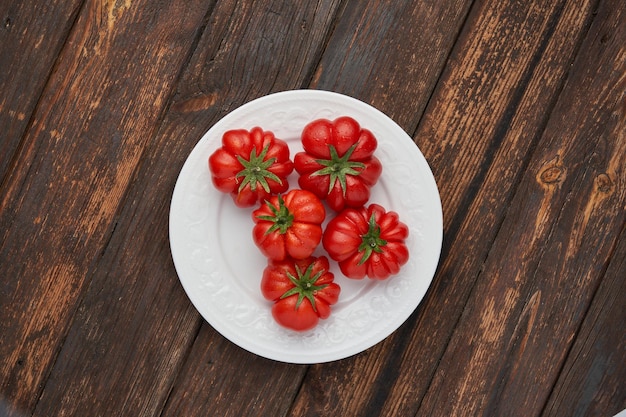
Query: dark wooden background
{"points": [[518, 106]]}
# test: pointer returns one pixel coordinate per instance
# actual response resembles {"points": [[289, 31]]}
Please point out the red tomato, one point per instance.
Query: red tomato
{"points": [[289, 225], [338, 162], [250, 166], [367, 242], [302, 291]]}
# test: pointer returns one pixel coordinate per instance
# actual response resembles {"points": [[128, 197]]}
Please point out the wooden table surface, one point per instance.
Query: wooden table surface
{"points": [[518, 106]]}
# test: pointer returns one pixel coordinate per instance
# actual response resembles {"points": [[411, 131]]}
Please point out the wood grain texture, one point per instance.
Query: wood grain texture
{"points": [[591, 381], [31, 36], [518, 106], [223, 379], [78, 157], [483, 119], [390, 54], [134, 298], [278, 41], [522, 311]]}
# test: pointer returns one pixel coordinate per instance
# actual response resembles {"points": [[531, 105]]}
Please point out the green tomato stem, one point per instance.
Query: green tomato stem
{"points": [[281, 217], [255, 170], [371, 241], [304, 285], [338, 167]]}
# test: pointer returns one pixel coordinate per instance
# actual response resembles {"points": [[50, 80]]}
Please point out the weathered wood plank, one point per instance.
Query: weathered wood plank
{"points": [[135, 336], [222, 379], [552, 250], [484, 118], [135, 312], [390, 54], [31, 36], [85, 140], [592, 380]]}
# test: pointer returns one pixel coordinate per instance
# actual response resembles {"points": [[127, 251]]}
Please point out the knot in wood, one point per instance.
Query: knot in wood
{"points": [[551, 175], [552, 172], [604, 183]]}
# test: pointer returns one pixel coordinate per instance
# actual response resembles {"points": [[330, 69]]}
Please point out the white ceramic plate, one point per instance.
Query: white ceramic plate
{"points": [[220, 267]]}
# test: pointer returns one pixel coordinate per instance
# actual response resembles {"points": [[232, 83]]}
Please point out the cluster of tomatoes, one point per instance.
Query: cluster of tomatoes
{"points": [[337, 166]]}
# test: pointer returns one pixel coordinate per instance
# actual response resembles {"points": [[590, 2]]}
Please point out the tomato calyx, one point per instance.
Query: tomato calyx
{"points": [[255, 170], [304, 285], [338, 167], [281, 217], [371, 241]]}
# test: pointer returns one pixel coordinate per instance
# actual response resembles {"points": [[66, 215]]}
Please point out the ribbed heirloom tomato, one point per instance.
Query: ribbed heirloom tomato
{"points": [[338, 162], [289, 225], [250, 166], [302, 291], [367, 242]]}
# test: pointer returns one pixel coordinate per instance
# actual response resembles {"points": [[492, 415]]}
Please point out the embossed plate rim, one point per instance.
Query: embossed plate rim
{"points": [[207, 237]]}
